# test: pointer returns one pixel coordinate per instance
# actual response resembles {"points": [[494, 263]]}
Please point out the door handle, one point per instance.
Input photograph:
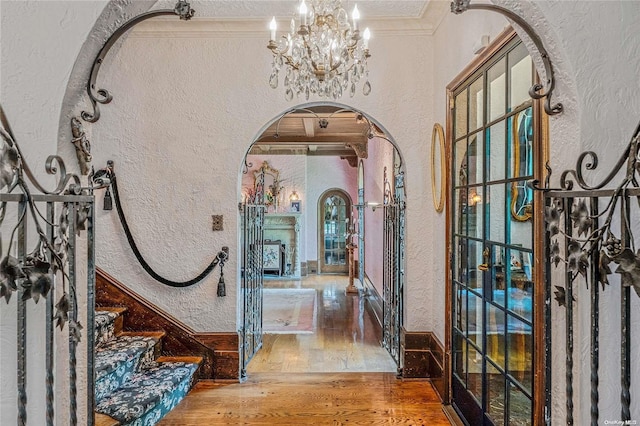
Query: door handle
{"points": [[485, 255]]}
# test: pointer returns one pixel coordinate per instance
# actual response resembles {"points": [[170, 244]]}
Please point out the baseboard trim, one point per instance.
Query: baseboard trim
{"points": [[423, 357], [219, 351], [226, 353]]}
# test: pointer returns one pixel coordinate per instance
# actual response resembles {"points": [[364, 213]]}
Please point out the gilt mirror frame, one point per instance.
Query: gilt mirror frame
{"points": [[264, 178], [438, 161], [521, 207]]}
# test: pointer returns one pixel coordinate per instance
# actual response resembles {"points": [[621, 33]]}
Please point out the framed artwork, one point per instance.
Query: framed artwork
{"points": [[272, 256], [295, 206]]}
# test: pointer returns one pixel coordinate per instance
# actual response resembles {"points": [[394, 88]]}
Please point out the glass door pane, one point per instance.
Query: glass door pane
{"points": [[333, 244], [492, 241]]}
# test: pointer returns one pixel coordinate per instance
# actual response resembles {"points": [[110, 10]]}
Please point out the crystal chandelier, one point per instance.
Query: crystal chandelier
{"points": [[323, 53]]}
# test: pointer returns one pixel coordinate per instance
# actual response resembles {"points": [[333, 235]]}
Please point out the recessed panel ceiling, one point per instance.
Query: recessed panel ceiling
{"points": [[260, 9]]}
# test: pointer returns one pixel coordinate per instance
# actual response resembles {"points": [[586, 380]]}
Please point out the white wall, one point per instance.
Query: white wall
{"points": [[193, 114], [324, 174], [454, 41], [200, 110]]}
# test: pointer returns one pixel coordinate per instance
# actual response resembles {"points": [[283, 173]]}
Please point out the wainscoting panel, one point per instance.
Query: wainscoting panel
{"points": [[423, 356]]}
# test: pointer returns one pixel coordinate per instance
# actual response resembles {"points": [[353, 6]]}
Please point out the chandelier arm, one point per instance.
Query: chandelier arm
{"points": [[274, 48]]}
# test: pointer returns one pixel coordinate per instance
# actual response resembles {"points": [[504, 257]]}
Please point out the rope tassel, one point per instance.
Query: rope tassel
{"points": [[222, 291], [223, 255]]}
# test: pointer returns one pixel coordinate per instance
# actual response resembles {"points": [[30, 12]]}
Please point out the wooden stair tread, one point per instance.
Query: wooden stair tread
{"points": [[157, 334], [104, 420], [189, 359]]}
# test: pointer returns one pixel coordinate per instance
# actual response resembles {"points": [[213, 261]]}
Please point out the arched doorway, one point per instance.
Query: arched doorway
{"points": [[334, 214], [316, 150]]}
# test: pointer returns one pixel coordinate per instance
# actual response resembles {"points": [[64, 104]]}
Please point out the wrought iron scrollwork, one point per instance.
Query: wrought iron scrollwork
{"points": [[102, 96], [49, 256], [537, 91], [594, 240], [611, 248]]}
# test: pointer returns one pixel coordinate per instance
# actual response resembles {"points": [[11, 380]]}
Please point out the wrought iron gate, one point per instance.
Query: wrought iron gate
{"points": [[42, 258], [252, 274], [590, 246], [394, 265]]}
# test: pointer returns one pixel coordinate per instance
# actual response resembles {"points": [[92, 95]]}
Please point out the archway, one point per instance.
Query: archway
{"points": [[313, 150]]}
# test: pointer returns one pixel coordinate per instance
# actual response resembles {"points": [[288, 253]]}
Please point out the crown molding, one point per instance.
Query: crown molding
{"points": [[205, 27]]}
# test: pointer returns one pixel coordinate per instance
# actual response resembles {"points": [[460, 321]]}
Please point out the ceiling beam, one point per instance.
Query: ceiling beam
{"points": [[317, 140], [346, 152], [309, 127]]}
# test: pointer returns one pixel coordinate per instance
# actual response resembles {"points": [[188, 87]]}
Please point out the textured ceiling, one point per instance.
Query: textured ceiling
{"points": [[286, 8]]}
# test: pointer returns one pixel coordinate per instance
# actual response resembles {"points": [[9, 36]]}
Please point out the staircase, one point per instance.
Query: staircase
{"points": [[133, 383]]}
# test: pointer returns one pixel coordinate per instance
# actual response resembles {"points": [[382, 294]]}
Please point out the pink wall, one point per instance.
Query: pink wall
{"points": [[311, 176], [380, 155]]}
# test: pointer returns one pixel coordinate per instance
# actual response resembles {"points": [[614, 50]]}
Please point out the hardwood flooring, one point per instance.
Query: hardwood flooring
{"points": [[340, 375], [311, 398], [345, 338]]}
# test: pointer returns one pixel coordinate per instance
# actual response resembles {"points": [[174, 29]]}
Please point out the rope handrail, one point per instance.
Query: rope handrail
{"points": [[220, 258]]}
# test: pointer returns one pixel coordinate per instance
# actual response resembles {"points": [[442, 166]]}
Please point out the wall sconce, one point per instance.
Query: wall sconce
{"points": [[372, 204], [294, 196], [474, 198]]}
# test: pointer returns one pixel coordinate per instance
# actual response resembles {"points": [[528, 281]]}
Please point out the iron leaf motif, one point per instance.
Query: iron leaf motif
{"points": [[552, 217], [10, 271], [578, 260], [9, 162], [75, 330], [561, 296], [581, 219], [555, 253], [81, 218], [629, 269], [34, 273], [603, 269], [62, 311]]}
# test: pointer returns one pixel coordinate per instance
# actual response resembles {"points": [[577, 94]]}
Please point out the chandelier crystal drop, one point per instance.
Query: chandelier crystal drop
{"points": [[323, 53]]}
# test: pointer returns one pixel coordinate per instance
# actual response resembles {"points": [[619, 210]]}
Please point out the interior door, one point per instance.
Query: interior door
{"points": [[334, 209], [492, 288]]}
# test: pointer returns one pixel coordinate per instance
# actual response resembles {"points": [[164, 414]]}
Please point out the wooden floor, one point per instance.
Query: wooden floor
{"points": [[345, 337], [339, 375], [311, 398]]}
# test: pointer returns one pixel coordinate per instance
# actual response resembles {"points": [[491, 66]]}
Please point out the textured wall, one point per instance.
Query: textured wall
{"points": [[192, 114], [178, 107]]}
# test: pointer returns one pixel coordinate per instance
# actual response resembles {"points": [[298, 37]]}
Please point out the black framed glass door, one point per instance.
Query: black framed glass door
{"points": [[492, 245]]}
